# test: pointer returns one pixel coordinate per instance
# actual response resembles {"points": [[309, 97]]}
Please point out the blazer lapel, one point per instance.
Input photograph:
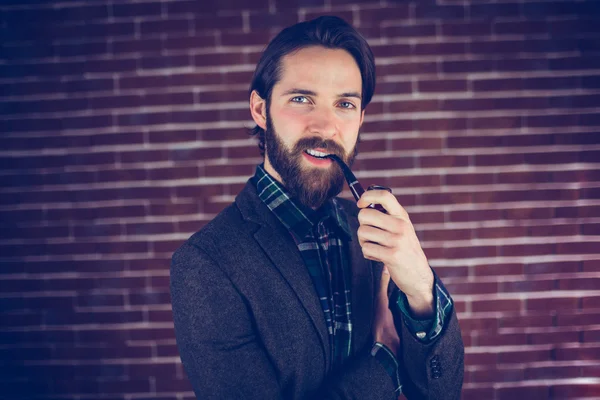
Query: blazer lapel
{"points": [[279, 246]]}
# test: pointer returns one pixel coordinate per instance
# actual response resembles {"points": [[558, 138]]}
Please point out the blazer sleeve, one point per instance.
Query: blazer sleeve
{"points": [[432, 370], [220, 350]]}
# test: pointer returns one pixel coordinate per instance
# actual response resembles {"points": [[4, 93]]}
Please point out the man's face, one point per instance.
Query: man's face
{"points": [[315, 105]]}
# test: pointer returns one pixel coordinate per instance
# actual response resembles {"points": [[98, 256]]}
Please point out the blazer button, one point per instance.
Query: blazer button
{"points": [[436, 368]]}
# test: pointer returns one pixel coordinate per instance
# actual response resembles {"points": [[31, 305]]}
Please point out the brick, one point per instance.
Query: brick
{"points": [[450, 48], [586, 352], [91, 300], [552, 267], [577, 248], [71, 266], [495, 122], [173, 385], [391, 50], [476, 393], [570, 318], [524, 355], [551, 372], [591, 265], [425, 217], [554, 337], [82, 49], [528, 286], [158, 370], [528, 213], [312, 14], [496, 305], [468, 66], [445, 12], [529, 392], [469, 179], [555, 230], [476, 29], [452, 272], [592, 335], [576, 390], [444, 198], [473, 359], [404, 68], [473, 288], [142, 82], [161, 316], [588, 283], [509, 339], [442, 85], [475, 215], [496, 374], [416, 29], [136, 9], [516, 65], [149, 228], [527, 320], [498, 269], [170, 26], [165, 62], [557, 303], [446, 235], [500, 232], [410, 106], [155, 263], [443, 161], [528, 27], [149, 298]]}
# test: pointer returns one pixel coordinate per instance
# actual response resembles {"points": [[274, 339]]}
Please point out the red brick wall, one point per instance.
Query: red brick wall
{"points": [[122, 133]]}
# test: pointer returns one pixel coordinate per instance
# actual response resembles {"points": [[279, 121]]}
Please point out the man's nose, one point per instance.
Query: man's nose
{"points": [[324, 123]]}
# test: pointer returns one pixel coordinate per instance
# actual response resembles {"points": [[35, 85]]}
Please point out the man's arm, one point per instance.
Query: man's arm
{"points": [[432, 352], [220, 350]]}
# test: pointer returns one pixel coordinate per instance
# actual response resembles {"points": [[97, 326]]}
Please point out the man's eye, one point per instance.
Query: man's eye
{"points": [[299, 99], [347, 104]]}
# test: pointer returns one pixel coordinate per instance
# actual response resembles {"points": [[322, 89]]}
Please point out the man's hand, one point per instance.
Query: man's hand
{"points": [[384, 330], [391, 239]]}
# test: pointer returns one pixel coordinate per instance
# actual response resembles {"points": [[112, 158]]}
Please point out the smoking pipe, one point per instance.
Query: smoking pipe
{"points": [[355, 186]]}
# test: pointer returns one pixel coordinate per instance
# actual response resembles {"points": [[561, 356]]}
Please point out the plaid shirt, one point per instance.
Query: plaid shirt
{"points": [[321, 236]]}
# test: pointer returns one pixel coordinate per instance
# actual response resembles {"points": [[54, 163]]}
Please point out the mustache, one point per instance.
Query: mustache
{"points": [[320, 143]]}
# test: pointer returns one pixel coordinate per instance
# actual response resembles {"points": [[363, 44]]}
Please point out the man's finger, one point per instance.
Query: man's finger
{"points": [[386, 199]]}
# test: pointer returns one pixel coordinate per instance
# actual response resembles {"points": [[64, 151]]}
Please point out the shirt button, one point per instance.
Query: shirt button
{"points": [[421, 335]]}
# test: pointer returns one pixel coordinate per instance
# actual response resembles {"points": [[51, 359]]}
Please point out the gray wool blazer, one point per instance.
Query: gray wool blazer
{"points": [[249, 325]]}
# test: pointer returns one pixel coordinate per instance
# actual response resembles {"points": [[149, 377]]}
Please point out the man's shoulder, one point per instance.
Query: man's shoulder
{"points": [[229, 227], [222, 227]]}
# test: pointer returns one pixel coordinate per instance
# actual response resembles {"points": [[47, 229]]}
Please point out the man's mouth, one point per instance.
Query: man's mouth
{"points": [[316, 154]]}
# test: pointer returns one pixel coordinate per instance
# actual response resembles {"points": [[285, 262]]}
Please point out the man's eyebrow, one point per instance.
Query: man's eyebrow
{"points": [[299, 91], [351, 94], [311, 93]]}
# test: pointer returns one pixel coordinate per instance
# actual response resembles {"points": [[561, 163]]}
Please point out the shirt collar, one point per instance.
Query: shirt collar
{"points": [[297, 218]]}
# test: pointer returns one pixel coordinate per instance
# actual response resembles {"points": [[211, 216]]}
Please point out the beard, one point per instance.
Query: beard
{"points": [[311, 186]]}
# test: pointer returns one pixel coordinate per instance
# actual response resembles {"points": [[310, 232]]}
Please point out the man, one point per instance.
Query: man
{"points": [[284, 295]]}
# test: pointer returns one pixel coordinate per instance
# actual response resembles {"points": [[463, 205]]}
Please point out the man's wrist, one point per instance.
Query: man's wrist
{"points": [[421, 305]]}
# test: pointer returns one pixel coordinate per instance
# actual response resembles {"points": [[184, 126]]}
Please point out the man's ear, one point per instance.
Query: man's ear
{"points": [[362, 118], [258, 109]]}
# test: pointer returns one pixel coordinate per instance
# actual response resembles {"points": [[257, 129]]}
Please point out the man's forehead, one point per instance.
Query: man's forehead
{"points": [[317, 69]]}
